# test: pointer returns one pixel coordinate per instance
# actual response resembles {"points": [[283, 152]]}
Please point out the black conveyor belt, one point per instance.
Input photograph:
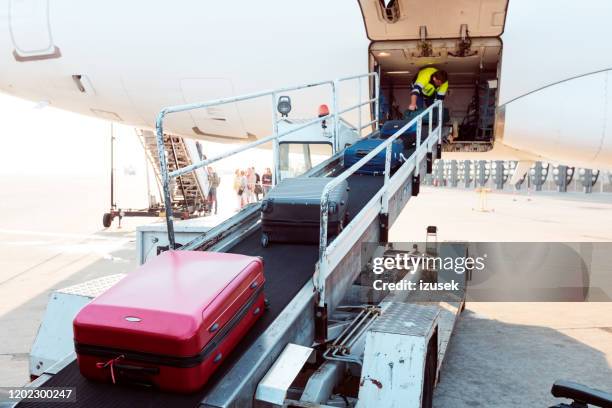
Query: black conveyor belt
{"points": [[287, 269]]}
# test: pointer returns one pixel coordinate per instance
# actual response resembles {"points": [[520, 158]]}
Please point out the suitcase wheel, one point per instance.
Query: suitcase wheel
{"points": [[266, 304], [265, 240]]}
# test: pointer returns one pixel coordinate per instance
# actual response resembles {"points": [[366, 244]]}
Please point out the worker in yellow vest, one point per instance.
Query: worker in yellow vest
{"points": [[430, 84]]}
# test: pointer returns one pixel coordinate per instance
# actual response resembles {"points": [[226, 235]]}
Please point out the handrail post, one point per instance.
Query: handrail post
{"points": [[163, 164], [430, 125], [275, 143], [359, 109], [385, 196], [377, 102], [418, 143], [336, 116], [440, 119], [321, 269], [323, 217]]}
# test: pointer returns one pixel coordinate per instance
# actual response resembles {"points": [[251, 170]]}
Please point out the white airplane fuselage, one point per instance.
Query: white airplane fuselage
{"points": [[124, 61]]}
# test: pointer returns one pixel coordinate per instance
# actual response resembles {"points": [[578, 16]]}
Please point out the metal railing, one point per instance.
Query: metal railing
{"points": [[275, 137], [388, 189]]}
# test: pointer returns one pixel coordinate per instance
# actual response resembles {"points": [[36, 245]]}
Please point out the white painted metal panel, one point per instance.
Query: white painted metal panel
{"points": [[54, 340], [273, 387], [394, 360]]}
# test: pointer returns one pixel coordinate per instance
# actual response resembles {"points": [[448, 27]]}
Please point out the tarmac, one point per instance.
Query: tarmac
{"points": [[501, 355]]}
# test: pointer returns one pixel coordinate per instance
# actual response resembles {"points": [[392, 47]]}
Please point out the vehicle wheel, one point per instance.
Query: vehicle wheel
{"points": [[265, 240], [107, 220]]}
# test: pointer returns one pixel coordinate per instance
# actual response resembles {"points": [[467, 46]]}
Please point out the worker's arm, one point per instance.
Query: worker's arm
{"points": [[441, 94], [413, 102], [417, 89]]}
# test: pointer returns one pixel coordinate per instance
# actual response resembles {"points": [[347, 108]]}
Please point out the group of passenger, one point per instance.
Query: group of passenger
{"points": [[250, 186]]}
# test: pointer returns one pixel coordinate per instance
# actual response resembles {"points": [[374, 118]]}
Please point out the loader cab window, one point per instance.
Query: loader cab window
{"points": [[298, 158]]}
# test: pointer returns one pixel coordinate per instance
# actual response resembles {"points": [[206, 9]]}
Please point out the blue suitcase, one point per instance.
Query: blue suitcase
{"points": [[392, 126], [376, 165]]}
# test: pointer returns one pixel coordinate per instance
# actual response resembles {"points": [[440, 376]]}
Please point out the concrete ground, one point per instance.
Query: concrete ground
{"points": [[509, 354], [502, 354]]}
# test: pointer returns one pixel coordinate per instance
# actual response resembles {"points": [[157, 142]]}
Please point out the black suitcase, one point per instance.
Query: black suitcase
{"points": [[291, 211], [392, 126]]}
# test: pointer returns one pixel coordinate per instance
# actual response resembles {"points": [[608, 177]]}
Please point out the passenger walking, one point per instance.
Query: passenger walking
{"points": [[266, 181], [251, 179], [213, 183], [237, 184], [258, 189], [244, 189]]}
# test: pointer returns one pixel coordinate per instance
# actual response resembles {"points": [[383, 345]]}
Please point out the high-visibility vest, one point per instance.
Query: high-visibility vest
{"points": [[424, 85]]}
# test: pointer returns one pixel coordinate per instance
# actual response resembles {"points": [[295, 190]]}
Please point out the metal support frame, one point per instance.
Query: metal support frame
{"points": [[454, 173], [588, 178], [341, 349], [467, 173], [482, 172], [112, 170], [384, 227], [538, 175], [320, 323], [440, 173], [564, 177], [501, 174], [166, 176]]}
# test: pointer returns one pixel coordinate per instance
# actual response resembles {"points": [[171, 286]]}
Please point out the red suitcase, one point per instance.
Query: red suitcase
{"points": [[172, 322]]}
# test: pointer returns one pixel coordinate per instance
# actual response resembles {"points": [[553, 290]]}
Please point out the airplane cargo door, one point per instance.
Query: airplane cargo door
{"points": [[30, 30], [432, 19]]}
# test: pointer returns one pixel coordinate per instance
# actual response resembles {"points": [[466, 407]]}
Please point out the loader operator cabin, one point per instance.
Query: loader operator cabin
{"points": [[461, 37]]}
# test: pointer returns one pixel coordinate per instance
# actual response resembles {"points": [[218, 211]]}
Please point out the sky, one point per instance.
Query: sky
{"points": [[47, 150], [50, 141]]}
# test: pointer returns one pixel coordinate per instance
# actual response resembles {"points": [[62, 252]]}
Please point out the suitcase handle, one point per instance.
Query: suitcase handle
{"points": [[136, 375], [139, 369], [266, 206]]}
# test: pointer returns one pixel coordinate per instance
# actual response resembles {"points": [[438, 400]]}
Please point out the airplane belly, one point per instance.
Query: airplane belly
{"points": [[135, 65], [223, 121], [567, 121]]}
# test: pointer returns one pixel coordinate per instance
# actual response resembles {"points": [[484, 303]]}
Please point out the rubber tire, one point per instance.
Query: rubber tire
{"points": [[265, 240], [107, 220]]}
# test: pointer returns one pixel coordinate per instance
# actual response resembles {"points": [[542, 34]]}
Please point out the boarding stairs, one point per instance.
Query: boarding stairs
{"points": [[189, 192]]}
